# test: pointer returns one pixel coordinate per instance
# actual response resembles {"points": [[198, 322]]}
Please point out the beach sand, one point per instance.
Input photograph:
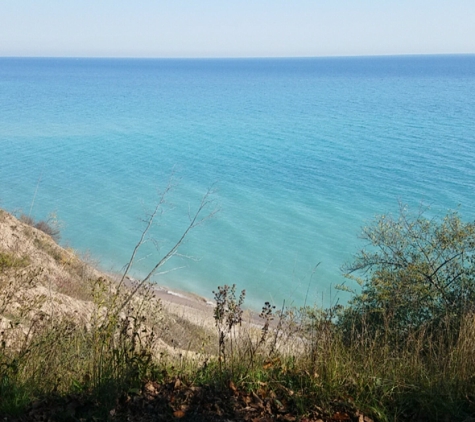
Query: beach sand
{"points": [[188, 306], [198, 310]]}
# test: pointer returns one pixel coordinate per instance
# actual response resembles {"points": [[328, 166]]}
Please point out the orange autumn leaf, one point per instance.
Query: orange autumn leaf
{"points": [[268, 365], [179, 414]]}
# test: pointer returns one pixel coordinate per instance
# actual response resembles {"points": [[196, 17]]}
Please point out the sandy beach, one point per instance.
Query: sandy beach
{"points": [[196, 309], [189, 306]]}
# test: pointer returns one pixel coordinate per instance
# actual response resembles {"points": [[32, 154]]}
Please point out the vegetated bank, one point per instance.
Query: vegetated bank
{"points": [[76, 345]]}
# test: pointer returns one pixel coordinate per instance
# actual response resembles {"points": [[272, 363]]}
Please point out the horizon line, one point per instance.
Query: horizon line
{"points": [[231, 57]]}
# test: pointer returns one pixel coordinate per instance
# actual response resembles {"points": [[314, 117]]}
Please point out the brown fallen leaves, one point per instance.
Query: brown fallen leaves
{"points": [[175, 400]]}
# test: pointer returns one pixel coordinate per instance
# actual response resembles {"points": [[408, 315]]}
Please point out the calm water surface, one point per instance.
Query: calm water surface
{"points": [[303, 152]]}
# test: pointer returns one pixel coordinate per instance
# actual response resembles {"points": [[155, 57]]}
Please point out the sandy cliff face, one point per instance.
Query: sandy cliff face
{"points": [[34, 269], [57, 264], [39, 277]]}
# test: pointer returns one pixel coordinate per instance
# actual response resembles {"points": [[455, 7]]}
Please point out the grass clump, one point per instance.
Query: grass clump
{"points": [[51, 226], [106, 353], [8, 260]]}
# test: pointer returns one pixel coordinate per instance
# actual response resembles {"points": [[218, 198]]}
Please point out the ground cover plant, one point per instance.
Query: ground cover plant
{"points": [[402, 349]]}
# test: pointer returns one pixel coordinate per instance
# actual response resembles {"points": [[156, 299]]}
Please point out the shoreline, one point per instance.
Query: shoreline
{"points": [[195, 308], [198, 309], [175, 296]]}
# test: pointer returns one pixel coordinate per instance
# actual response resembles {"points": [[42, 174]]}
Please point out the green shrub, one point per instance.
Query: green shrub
{"points": [[418, 273]]}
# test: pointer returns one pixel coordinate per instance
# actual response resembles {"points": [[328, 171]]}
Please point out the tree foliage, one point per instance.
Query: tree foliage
{"points": [[415, 272]]}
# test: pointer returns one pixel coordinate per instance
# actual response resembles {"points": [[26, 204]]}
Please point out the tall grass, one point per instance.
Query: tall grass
{"points": [[301, 359], [103, 353], [425, 377]]}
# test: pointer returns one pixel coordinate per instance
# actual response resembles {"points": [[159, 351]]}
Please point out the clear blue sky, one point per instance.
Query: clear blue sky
{"points": [[235, 28]]}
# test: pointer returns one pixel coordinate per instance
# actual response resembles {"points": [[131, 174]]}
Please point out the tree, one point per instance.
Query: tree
{"points": [[415, 272]]}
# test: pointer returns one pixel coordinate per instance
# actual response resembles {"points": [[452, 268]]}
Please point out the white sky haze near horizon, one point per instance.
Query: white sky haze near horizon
{"points": [[232, 28]]}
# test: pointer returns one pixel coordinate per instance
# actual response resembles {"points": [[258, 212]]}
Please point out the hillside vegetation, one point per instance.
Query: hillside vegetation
{"points": [[76, 344]]}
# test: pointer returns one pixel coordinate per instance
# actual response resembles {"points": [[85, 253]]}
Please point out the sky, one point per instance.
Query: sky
{"points": [[235, 28]]}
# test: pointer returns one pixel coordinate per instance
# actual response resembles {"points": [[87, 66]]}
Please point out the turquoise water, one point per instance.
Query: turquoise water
{"points": [[303, 153]]}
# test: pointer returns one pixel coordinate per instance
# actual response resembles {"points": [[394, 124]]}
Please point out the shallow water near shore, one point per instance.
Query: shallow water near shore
{"points": [[302, 153]]}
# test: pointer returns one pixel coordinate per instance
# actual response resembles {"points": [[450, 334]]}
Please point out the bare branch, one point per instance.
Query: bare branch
{"points": [[196, 219], [158, 210]]}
